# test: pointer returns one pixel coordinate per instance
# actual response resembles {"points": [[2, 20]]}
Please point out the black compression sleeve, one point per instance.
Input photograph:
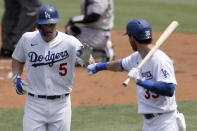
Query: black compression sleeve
{"points": [[91, 18]]}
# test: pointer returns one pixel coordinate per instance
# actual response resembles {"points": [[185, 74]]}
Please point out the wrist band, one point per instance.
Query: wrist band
{"points": [[101, 66]]}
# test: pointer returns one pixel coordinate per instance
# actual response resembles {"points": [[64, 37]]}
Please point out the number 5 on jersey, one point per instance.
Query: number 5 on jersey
{"points": [[63, 69]]}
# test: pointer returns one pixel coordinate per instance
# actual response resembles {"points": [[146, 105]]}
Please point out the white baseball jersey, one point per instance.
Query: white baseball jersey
{"points": [[103, 7], [158, 68], [49, 66]]}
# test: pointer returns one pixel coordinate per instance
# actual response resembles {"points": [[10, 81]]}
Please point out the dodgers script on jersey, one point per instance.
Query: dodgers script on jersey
{"points": [[59, 54], [158, 68]]}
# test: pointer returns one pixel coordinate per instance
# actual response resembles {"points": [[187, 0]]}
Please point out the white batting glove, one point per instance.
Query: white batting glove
{"points": [[84, 53], [134, 74], [19, 85]]}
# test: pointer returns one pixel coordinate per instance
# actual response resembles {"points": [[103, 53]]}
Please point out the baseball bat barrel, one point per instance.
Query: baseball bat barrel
{"points": [[168, 31]]}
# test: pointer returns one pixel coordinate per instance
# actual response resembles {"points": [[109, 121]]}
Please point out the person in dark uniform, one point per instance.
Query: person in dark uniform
{"points": [[19, 17]]}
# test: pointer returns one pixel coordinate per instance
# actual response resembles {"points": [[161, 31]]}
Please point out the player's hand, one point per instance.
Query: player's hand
{"points": [[84, 53], [91, 69], [19, 85], [70, 22], [134, 74]]}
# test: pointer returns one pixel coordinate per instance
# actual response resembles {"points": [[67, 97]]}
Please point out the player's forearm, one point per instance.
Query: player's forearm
{"points": [[17, 67], [161, 88], [111, 66], [114, 66]]}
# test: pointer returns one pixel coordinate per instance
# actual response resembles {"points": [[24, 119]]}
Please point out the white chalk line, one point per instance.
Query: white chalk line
{"points": [[5, 68], [5, 60]]}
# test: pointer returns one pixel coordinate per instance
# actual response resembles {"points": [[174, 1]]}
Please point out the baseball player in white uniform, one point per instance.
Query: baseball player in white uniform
{"points": [[155, 81], [97, 17], [50, 58]]}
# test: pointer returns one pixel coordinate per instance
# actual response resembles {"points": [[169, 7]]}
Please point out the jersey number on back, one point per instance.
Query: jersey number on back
{"points": [[148, 95], [63, 69]]}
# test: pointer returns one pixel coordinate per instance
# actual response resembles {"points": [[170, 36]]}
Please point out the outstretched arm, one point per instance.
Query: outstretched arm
{"points": [[111, 66], [114, 66]]}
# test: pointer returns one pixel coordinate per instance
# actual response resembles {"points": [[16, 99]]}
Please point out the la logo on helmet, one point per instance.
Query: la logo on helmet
{"points": [[147, 33], [47, 15]]}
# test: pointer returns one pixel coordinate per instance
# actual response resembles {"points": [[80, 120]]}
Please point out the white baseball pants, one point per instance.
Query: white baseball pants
{"points": [[47, 115], [172, 121]]}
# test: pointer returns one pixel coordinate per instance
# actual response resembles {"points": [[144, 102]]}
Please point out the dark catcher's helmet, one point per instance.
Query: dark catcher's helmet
{"points": [[139, 28], [47, 15]]}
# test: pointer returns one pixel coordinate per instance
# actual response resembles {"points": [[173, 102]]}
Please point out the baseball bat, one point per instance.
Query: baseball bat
{"points": [[91, 61], [168, 31]]}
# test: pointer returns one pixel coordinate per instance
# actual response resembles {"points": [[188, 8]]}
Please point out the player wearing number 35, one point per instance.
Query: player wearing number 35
{"points": [[155, 81], [50, 58]]}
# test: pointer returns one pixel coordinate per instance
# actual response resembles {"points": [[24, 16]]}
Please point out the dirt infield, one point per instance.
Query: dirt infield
{"points": [[106, 87]]}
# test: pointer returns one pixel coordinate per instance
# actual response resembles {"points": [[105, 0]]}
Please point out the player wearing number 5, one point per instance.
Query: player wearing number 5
{"points": [[50, 58], [155, 81]]}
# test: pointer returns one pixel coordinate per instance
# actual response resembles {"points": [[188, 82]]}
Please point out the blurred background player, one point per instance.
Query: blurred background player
{"points": [[19, 17], [96, 19], [155, 81], [49, 56]]}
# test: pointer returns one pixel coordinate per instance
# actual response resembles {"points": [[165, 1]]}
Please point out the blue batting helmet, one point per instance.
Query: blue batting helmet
{"points": [[140, 28], [47, 15]]}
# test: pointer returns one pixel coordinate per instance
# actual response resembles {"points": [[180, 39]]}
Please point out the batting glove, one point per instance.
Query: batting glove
{"points": [[84, 53], [134, 74], [91, 69], [19, 85], [94, 68]]}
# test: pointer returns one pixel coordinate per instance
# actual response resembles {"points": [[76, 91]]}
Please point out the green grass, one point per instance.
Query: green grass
{"points": [[158, 12], [11, 119], [101, 118]]}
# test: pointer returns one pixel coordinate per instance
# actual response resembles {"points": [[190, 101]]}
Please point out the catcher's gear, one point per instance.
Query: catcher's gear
{"points": [[134, 74], [72, 30], [19, 85], [84, 53]]}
